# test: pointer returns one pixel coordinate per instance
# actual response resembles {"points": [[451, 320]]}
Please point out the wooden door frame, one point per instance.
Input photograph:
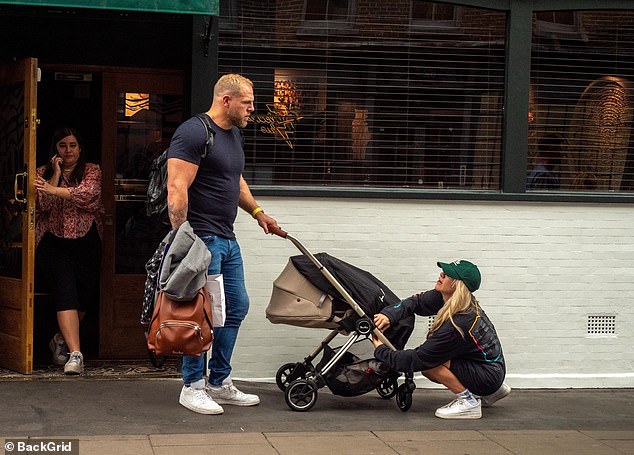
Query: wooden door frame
{"points": [[115, 81], [14, 291]]}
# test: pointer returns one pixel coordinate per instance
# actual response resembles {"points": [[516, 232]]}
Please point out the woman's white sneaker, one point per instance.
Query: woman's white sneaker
{"points": [[75, 364], [460, 409], [59, 350], [199, 401], [503, 391]]}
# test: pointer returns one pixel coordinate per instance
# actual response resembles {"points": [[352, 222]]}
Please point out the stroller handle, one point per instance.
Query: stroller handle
{"points": [[326, 273], [278, 231]]}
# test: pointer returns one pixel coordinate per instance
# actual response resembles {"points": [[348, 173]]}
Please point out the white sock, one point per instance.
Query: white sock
{"points": [[467, 395], [198, 385]]}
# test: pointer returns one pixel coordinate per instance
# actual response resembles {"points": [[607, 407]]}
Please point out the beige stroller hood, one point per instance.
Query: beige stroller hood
{"points": [[296, 301]]}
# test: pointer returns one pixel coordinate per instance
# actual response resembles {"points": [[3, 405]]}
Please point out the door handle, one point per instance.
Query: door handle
{"points": [[19, 191]]}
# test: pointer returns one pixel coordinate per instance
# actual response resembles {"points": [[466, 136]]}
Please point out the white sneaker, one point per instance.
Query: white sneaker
{"points": [[229, 394], [198, 401], [500, 393], [59, 350], [460, 409], [75, 364]]}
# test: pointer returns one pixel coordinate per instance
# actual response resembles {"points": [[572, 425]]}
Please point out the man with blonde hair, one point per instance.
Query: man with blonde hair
{"points": [[207, 192]]}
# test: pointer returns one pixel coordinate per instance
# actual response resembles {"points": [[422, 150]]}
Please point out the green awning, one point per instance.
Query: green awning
{"points": [[206, 7]]}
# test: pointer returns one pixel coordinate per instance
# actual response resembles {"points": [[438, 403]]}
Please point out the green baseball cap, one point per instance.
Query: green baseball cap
{"points": [[463, 270]]}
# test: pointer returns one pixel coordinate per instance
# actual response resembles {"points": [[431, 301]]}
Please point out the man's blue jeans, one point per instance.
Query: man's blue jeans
{"points": [[226, 258]]}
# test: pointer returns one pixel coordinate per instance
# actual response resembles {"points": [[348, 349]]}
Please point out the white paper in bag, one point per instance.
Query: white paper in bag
{"points": [[216, 289]]}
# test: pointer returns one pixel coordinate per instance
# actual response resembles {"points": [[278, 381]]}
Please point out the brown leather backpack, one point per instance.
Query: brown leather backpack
{"points": [[181, 328]]}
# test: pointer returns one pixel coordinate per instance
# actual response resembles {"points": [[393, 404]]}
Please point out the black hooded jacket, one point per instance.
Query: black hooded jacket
{"points": [[480, 345]]}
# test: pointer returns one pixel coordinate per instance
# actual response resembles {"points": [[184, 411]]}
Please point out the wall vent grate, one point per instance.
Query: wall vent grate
{"points": [[601, 324]]}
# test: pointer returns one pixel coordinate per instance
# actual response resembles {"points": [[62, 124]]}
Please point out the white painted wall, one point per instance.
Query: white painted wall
{"points": [[545, 268]]}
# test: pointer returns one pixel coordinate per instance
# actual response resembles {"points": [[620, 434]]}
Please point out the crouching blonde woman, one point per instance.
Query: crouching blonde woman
{"points": [[462, 350]]}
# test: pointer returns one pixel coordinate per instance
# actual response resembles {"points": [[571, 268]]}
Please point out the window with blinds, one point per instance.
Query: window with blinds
{"points": [[358, 93], [410, 94], [582, 102]]}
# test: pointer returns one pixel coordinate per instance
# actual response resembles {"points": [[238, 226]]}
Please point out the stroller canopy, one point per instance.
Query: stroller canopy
{"points": [[367, 291]]}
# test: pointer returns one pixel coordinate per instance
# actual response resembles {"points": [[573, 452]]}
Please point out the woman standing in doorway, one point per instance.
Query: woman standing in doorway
{"points": [[68, 239]]}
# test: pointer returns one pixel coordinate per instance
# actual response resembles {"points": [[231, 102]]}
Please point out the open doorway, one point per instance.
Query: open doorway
{"points": [[123, 114], [66, 98], [70, 98]]}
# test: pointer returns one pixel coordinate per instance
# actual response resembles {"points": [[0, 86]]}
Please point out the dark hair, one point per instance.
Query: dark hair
{"points": [[58, 135], [551, 147]]}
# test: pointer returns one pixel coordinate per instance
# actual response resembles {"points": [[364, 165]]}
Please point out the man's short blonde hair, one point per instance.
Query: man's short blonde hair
{"points": [[232, 85]]}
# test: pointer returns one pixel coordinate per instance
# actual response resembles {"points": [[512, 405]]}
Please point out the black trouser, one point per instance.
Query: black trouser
{"points": [[69, 270]]}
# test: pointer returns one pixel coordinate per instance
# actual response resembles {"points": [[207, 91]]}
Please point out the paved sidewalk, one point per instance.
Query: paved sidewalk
{"points": [[457, 442], [142, 416]]}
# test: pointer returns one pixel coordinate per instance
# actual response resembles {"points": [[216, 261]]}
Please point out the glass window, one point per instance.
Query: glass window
{"points": [[432, 12], [228, 18], [145, 124], [559, 24], [382, 106], [327, 10], [581, 136], [556, 17], [12, 151]]}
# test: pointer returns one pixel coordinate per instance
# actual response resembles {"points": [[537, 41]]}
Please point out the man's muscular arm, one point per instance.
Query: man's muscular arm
{"points": [[248, 203], [180, 175]]}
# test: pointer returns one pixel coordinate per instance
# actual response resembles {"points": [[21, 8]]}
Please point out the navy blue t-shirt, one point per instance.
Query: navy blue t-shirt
{"points": [[214, 194]]}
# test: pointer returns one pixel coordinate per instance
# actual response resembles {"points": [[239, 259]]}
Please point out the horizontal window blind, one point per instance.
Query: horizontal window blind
{"points": [[378, 94], [582, 102]]}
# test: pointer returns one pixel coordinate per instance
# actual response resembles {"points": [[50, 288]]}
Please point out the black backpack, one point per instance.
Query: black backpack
{"points": [[156, 200]]}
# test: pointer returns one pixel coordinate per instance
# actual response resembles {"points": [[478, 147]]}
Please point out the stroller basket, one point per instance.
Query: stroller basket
{"points": [[353, 376]]}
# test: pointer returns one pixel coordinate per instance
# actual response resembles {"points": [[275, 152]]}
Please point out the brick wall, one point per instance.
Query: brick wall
{"points": [[373, 20], [546, 267], [380, 20]]}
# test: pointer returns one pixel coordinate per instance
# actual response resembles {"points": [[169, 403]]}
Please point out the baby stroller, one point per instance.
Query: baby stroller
{"points": [[321, 291]]}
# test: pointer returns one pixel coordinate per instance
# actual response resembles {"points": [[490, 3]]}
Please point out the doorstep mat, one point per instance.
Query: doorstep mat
{"points": [[103, 369]]}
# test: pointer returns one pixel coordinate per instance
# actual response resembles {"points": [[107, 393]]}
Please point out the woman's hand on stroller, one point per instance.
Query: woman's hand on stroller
{"points": [[375, 341], [381, 321]]}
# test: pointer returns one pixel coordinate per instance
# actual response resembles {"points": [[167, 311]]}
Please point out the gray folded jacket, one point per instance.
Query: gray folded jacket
{"points": [[185, 264]]}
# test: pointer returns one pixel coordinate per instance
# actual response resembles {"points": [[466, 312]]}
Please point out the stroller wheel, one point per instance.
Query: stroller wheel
{"points": [[404, 397], [287, 373], [301, 395], [387, 388]]}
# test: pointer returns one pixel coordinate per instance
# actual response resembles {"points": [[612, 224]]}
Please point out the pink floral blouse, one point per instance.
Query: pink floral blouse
{"points": [[71, 219]]}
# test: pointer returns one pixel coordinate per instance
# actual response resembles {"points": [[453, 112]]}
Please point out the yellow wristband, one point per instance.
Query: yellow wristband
{"points": [[256, 211]]}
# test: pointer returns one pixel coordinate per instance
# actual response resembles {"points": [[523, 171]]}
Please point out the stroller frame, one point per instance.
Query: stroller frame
{"points": [[300, 381]]}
